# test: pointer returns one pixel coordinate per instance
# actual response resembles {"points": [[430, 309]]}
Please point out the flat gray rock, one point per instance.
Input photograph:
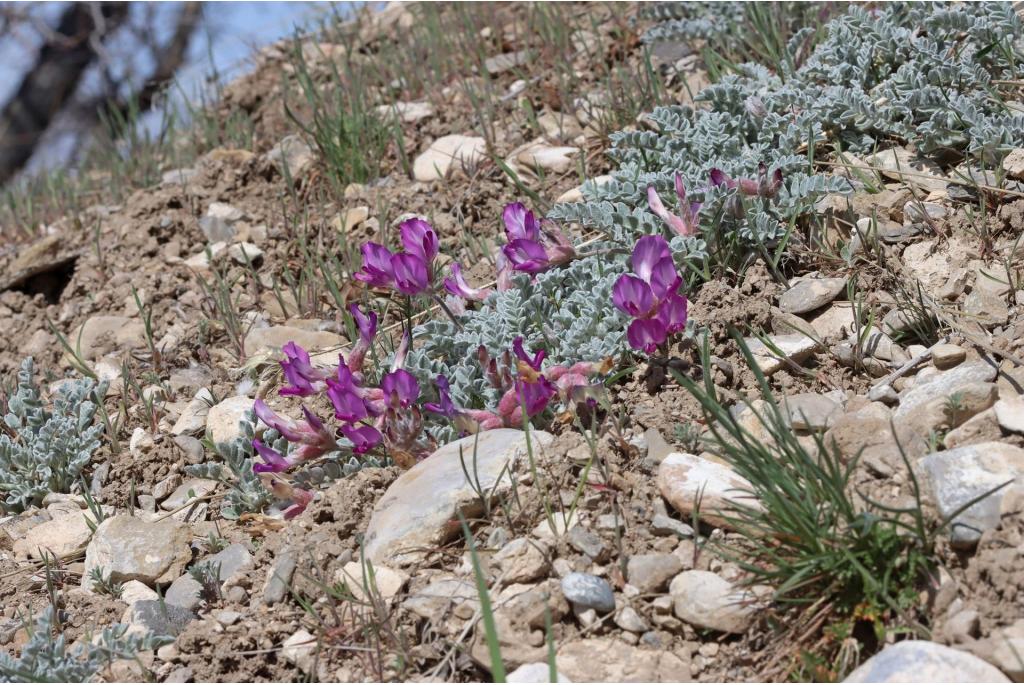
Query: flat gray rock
{"points": [[960, 475], [156, 617], [943, 385], [808, 295], [232, 559], [420, 509], [706, 600], [920, 661]]}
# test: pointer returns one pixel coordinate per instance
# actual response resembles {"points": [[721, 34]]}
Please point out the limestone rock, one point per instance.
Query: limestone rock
{"points": [[1002, 648], [947, 356], [706, 600], [682, 477], [810, 294], [536, 672], [448, 154], [190, 490], [193, 418], [1010, 414], [270, 340], [407, 112], [652, 572], [129, 548], [61, 537], [102, 334], [292, 155], [222, 419], [920, 661], [499, 64], [960, 475], [418, 511], [794, 347], [387, 582]]}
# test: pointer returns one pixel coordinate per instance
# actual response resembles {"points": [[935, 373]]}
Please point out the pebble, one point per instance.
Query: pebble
{"points": [[156, 617], [499, 64], [387, 582], [193, 418], [536, 672], [191, 489], [628, 619], [185, 592], [683, 477], [61, 536], [292, 155], [810, 294], [666, 525], [794, 347], [299, 649], [611, 660], [449, 153], [279, 578], [218, 223], [408, 112], [706, 600], [588, 543], [1003, 648], [223, 418], [811, 412], [232, 559], [1010, 414], [585, 591], [946, 356], [920, 661], [652, 572], [180, 675]]}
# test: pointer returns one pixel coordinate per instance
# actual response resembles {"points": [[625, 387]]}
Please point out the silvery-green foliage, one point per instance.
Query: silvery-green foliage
{"points": [[46, 449], [335, 465], [46, 658], [567, 311], [246, 493]]}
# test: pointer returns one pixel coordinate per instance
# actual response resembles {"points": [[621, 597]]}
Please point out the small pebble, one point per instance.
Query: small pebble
{"points": [[947, 356]]}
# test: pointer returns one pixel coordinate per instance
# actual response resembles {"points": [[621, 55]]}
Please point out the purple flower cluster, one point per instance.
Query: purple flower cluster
{"points": [[650, 295], [763, 186], [533, 246], [410, 272], [686, 222]]}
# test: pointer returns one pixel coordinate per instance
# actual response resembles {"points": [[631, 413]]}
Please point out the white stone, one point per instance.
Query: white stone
{"points": [[961, 475], [537, 672], [794, 347], [222, 419], [60, 537], [419, 510], [193, 418], [553, 159], [447, 152], [245, 253], [270, 340], [706, 600], [920, 661], [682, 478], [408, 112], [300, 650], [387, 582], [1010, 414], [295, 154]]}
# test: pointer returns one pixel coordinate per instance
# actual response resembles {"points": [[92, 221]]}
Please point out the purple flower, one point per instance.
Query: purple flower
{"points": [[527, 256], [275, 461], [520, 223], [633, 296], [532, 246], [457, 286], [314, 439], [764, 186], [535, 396], [419, 238], [445, 407], [377, 266], [672, 313], [686, 222], [400, 388], [363, 438], [646, 335], [348, 406], [650, 296], [303, 379], [367, 327], [533, 362], [411, 275]]}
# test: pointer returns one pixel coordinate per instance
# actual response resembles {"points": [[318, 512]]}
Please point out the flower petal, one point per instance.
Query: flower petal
{"points": [[632, 295], [646, 335]]}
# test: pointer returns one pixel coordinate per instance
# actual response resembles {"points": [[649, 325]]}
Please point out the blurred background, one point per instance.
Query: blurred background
{"points": [[71, 70]]}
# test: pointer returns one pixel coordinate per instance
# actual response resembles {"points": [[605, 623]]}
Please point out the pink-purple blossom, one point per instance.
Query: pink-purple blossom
{"points": [[764, 186], [302, 378], [409, 272], [533, 246], [650, 295], [456, 285], [686, 222]]}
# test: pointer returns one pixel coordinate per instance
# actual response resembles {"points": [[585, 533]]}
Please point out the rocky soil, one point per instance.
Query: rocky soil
{"points": [[592, 550]]}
